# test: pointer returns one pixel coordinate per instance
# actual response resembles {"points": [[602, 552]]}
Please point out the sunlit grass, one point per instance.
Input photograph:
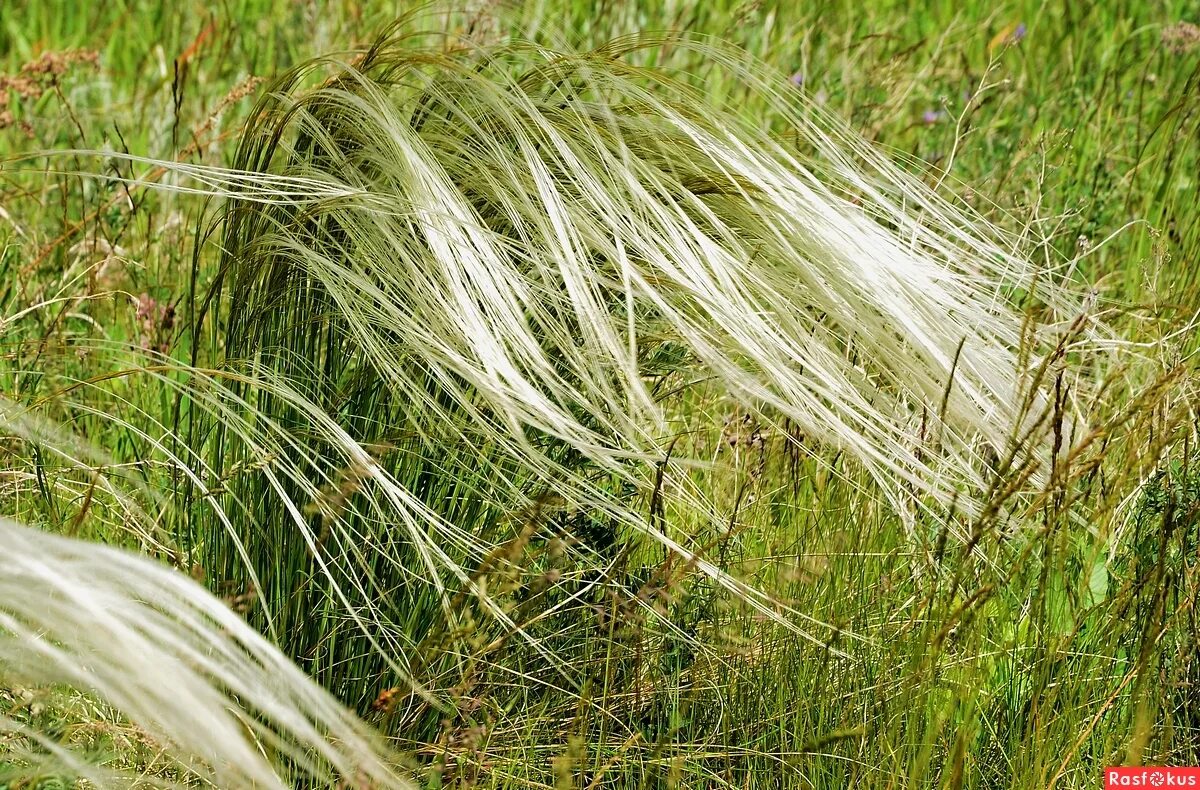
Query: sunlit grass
{"points": [[465, 558]]}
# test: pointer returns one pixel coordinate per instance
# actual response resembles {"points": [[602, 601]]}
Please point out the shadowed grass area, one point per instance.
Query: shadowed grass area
{"points": [[466, 562]]}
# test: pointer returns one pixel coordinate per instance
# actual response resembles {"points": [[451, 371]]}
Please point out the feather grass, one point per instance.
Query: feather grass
{"points": [[500, 235], [224, 703], [461, 288]]}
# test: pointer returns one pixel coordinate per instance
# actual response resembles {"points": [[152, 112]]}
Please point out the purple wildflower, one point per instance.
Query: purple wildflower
{"points": [[1018, 33], [932, 116], [798, 79]]}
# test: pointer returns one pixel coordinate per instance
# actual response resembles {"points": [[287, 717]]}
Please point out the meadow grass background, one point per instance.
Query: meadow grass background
{"points": [[1013, 661]]}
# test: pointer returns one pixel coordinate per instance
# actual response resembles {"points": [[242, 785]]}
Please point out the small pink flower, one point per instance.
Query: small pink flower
{"points": [[146, 307], [156, 321]]}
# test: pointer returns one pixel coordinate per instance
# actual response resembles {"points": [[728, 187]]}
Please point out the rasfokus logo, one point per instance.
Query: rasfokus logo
{"points": [[1151, 777]]}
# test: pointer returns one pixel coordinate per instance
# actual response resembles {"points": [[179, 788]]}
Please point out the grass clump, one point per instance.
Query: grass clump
{"points": [[479, 261], [599, 415]]}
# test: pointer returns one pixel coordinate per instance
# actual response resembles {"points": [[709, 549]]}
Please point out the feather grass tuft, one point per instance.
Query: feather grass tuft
{"points": [[502, 236], [222, 702], [459, 283]]}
